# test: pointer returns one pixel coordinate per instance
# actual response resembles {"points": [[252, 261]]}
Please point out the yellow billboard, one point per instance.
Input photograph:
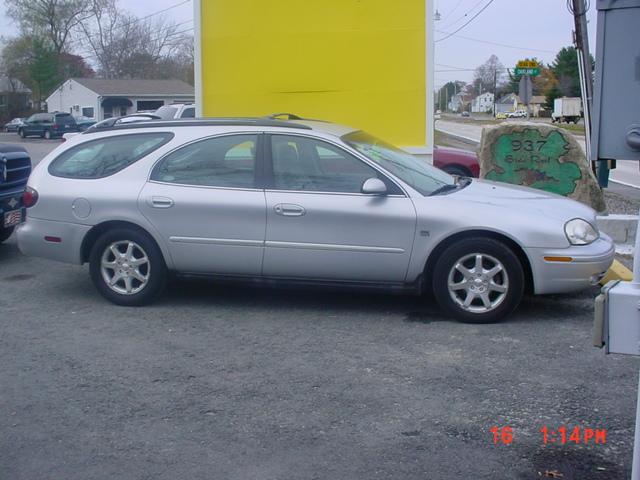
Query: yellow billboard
{"points": [[363, 63]]}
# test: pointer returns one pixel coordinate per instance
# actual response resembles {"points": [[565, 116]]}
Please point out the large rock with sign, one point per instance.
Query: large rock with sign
{"points": [[539, 156]]}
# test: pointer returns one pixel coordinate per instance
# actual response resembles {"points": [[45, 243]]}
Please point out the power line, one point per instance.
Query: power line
{"points": [[136, 20], [467, 23], [497, 44], [160, 33], [459, 19], [456, 7]]}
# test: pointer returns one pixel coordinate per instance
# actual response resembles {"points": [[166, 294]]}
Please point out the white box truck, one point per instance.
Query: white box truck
{"points": [[567, 109]]}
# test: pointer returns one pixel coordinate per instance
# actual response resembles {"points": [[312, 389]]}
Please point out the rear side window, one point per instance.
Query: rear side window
{"points": [[105, 156], [227, 161], [65, 119]]}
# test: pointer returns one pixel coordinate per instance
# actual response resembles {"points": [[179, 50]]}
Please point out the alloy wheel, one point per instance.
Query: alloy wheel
{"points": [[125, 267], [478, 283]]}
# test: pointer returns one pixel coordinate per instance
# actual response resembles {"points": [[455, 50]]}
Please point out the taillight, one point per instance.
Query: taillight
{"points": [[56, 126], [29, 197]]}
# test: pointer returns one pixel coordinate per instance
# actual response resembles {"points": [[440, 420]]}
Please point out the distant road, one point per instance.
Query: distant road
{"points": [[627, 173]]}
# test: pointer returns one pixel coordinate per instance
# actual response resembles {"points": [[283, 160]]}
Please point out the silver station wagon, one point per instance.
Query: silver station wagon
{"points": [[300, 201]]}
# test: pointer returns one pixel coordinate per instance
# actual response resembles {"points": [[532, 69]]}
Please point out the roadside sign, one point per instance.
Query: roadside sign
{"points": [[534, 72], [336, 60], [528, 67]]}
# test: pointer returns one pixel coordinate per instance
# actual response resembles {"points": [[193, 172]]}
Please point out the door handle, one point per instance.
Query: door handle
{"points": [[161, 202], [289, 210]]}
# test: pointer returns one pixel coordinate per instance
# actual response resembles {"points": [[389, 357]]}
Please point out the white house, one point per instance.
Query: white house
{"points": [[456, 102], [99, 98], [508, 103], [482, 103]]}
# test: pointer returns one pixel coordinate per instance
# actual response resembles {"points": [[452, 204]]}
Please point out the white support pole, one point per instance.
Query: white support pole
{"points": [[635, 468]]}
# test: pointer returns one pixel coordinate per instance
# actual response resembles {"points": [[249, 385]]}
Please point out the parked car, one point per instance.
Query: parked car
{"points": [[176, 110], [13, 125], [48, 125], [15, 167], [517, 114], [84, 122], [465, 114], [501, 115], [300, 201], [461, 163], [110, 122]]}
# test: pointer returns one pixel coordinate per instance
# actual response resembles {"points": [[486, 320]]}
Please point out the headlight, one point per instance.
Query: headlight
{"points": [[580, 232]]}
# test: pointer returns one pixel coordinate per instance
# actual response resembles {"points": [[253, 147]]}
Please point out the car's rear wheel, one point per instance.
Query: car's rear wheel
{"points": [[47, 134], [5, 233], [127, 267], [22, 134], [478, 280]]}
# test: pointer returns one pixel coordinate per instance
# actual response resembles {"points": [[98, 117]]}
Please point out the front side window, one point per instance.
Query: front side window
{"points": [[307, 164], [418, 174], [227, 162], [106, 156]]}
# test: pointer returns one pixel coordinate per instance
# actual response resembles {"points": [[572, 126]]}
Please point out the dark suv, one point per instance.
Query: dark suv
{"points": [[15, 167], [48, 125]]}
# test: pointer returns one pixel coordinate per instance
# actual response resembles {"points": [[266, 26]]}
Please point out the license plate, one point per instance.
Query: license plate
{"points": [[12, 218]]}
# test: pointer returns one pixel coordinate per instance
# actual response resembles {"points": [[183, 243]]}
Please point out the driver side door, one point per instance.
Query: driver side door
{"points": [[319, 223]]}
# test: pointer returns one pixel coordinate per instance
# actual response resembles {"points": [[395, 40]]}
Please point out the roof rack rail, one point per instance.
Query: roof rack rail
{"points": [[208, 122], [292, 116], [289, 116]]}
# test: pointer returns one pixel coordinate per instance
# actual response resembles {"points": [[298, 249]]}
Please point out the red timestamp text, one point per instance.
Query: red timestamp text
{"points": [[578, 435], [562, 435]]}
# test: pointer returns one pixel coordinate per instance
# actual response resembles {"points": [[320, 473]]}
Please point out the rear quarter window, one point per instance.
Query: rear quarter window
{"points": [[65, 119], [105, 156]]}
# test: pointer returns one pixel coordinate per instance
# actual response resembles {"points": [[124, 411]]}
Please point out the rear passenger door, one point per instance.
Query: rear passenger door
{"points": [[202, 198]]}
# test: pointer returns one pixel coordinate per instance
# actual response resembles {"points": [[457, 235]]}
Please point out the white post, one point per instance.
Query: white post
{"points": [[635, 468]]}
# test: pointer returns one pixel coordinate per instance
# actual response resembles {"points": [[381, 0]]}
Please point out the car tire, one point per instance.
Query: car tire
{"points": [[5, 233], [476, 295], [137, 276], [47, 134], [457, 171], [22, 134]]}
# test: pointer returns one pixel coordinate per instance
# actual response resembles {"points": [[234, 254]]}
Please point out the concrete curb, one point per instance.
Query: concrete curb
{"points": [[621, 228]]}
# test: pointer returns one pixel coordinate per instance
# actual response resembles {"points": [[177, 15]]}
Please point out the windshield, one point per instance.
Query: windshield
{"points": [[423, 177]]}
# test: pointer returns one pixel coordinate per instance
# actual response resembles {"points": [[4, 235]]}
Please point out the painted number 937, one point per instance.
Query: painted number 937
{"points": [[527, 145]]}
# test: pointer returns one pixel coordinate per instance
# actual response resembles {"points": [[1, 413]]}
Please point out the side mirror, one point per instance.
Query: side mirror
{"points": [[374, 186]]}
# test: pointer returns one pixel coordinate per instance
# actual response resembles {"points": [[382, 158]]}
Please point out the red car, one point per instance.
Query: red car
{"points": [[456, 162]]}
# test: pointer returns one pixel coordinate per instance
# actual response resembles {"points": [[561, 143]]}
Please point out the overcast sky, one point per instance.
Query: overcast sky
{"points": [[534, 27]]}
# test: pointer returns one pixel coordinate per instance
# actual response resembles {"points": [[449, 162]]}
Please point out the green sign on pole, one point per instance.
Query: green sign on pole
{"points": [[528, 71]]}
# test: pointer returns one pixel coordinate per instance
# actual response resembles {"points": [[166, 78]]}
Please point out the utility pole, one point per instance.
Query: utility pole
{"points": [[495, 83], [581, 41]]}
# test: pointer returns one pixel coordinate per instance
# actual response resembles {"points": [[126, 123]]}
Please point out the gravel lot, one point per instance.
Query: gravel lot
{"points": [[237, 382]]}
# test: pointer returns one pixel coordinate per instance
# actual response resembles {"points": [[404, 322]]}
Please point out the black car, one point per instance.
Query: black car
{"points": [[15, 167], [48, 125]]}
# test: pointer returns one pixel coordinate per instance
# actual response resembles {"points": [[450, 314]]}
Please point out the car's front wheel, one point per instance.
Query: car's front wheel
{"points": [[47, 134], [22, 134], [478, 280], [127, 267]]}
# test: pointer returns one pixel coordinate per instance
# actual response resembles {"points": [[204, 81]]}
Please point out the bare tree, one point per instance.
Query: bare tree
{"points": [[486, 74], [124, 46], [53, 20]]}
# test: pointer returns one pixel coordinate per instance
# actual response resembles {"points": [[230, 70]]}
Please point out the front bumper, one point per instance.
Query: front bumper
{"points": [[31, 239], [587, 266]]}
